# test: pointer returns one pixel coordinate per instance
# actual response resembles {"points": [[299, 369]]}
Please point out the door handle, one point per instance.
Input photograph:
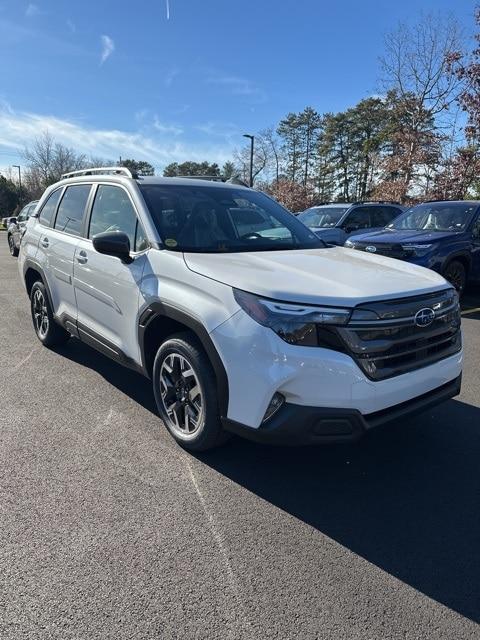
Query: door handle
{"points": [[82, 257], [45, 242]]}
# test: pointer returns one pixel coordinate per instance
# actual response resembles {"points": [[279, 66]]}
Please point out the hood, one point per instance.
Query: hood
{"points": [[325, 232], [388, 236], [334, 276]]}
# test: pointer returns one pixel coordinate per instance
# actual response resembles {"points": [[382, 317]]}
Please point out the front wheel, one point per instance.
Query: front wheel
{"points": [[12, 247], [48, 331], [456, 274], [186, 394]]}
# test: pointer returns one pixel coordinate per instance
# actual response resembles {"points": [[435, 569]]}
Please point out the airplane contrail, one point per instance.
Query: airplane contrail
{"points": [[167, 2]]}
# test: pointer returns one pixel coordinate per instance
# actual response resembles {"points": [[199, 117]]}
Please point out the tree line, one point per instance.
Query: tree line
{"points": [[418, 139]]}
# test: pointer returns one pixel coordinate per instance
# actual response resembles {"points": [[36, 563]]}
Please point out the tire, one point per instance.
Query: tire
{"points": [[12, 247], [194, 421], [48, 331], [456, 274]]}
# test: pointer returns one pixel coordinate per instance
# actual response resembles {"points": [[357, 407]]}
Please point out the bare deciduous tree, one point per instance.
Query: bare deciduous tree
{"points": [[416, 62]]}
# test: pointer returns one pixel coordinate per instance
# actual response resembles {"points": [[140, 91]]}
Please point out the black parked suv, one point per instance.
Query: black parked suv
{"points": [[16, 225], [336, 221]]}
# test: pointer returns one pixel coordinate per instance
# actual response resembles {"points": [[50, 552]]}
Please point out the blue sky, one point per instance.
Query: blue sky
{"points": [[183, 79]]}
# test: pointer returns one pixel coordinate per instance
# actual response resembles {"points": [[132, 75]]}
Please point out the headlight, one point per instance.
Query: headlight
{"points": [[349, 244], [294, 323], [417, 249]]}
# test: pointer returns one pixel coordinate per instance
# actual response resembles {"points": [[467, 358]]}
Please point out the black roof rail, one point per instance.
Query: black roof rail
{"points": [[377, 202], [212, 178], [322, 204], [452, 200]]}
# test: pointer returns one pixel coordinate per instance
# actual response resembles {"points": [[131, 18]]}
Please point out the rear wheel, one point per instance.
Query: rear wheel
{"points": [[456, 274], [48, 331], [12, 247], [186, 394]]}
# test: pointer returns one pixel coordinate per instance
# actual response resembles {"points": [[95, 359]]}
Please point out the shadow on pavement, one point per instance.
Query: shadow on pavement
{"points": [[406, 498], [471, 303]]}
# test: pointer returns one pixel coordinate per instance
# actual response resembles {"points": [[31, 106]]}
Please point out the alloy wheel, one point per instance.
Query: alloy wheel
{"points": [[40, 314], [182, 395], [456, 276]]}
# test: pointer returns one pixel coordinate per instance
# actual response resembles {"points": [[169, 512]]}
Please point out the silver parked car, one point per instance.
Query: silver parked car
{"points": [[16, 226]]}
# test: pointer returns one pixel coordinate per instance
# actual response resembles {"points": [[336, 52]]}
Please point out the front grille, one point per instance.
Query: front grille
{"points": [[385, 341], [384, 249]]}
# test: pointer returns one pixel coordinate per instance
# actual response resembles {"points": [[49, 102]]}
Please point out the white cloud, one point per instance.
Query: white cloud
{"points": [[167, 6], [108, 47], [159, 145], [221, 129], [32, 10], [237, 86], [167, 128]]}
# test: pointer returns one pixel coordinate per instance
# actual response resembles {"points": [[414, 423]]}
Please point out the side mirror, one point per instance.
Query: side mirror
{"points": [[12, 221], [349, 228], [113, 243]]}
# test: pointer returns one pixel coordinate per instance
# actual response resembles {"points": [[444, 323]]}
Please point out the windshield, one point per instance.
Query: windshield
{"points": [[322, 216], [218, 220], [435, 216]]}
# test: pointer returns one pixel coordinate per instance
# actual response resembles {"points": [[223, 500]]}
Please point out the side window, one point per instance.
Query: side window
{"points": [[23, 215], [358, 219], [31, 211], [113, 211], [72, 207], [381, 216], [48, 209]]}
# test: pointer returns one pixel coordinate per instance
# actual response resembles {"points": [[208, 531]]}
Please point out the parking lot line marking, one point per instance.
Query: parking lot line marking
{"points": [[20, 364], [474, 310]]}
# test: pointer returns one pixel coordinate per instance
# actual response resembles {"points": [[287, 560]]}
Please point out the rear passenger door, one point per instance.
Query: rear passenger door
{"points": [[58, 242], [107, 290]]}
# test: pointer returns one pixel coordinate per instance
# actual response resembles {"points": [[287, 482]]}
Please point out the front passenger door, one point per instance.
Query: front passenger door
{"points": [[106, 289]]}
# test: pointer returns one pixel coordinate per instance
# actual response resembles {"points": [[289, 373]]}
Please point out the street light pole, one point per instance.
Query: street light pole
{"points": [[17, 166], [252, 142]]}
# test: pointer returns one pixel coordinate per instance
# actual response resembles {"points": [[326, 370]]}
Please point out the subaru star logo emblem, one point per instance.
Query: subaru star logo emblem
{"points": [[424, 317], [371, 249]]}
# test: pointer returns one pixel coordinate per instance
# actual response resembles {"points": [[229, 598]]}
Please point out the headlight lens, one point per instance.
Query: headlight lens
{"points": [[349, 244], [417, 249], [294, 323]]}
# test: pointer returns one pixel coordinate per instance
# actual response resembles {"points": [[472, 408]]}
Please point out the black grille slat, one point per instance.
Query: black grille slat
{"points": [[385, 349]]}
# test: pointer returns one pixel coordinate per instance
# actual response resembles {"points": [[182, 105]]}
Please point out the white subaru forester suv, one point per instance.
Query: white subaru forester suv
{"points": [[243, 319]]}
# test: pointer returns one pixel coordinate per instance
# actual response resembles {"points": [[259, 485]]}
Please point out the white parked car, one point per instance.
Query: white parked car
{"points": [[242, 318]]}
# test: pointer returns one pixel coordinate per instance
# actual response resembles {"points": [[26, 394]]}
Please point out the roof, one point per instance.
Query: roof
{"points": [[197, 182], [121, 177]]}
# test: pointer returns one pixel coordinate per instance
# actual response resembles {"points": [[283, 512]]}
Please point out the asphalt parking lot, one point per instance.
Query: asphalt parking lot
{"points": [[109, 530]]}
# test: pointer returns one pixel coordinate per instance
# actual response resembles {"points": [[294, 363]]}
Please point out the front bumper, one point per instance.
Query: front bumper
{"points": [[300, 425]]}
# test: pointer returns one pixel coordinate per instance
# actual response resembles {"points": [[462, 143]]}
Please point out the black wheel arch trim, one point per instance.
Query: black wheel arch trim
{"points": [[31, 264], [160, 309], [462, 255]]}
